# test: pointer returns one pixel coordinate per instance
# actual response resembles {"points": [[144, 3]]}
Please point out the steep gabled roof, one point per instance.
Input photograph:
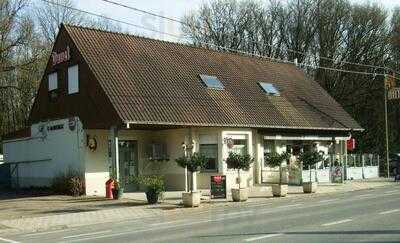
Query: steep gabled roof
{"points": [[156, 82]]}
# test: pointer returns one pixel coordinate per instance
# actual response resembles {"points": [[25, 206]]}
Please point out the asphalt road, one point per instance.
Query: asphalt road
{"points": [[363, 216]]}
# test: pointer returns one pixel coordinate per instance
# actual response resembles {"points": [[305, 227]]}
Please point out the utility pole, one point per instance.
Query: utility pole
{"points": [[386, 125]]}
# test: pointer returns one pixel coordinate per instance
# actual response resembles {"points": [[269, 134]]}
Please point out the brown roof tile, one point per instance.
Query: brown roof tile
{"points": [[156, 82]]}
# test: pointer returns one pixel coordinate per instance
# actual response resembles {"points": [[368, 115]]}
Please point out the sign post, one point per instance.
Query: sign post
{"points": [[391, 93]]}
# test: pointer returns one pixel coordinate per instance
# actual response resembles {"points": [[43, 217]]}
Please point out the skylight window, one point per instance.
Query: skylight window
{"points": [[269, 88], [211, 82]]}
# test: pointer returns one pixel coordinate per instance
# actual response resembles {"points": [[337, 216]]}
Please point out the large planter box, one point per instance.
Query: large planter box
{"points": [[191, 199], [240, 195], [279, 190], [310, 187]]}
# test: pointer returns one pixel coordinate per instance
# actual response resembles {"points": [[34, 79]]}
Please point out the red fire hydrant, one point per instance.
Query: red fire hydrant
{"points": [[109, 187]]}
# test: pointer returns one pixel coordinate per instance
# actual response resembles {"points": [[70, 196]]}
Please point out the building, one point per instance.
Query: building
{"points": [[108, 97]]}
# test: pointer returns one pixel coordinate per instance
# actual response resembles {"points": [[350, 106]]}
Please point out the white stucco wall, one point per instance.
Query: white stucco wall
{"points": [[49, 153]]}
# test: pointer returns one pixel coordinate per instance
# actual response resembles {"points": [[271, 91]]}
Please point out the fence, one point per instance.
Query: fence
{"points": [[333, 169]]}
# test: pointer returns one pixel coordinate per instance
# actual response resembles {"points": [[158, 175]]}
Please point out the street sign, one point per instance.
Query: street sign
{"points": [[394, 94], [218, 186]]}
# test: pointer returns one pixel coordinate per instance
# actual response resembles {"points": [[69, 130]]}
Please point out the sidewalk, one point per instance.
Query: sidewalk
{"points": [[168, 208]]}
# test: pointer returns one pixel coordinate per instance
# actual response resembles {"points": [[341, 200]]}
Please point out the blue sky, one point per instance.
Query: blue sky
{"points": [[171, 8]]}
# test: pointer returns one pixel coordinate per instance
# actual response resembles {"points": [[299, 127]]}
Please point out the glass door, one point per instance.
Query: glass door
{"points": [[128, 164]]}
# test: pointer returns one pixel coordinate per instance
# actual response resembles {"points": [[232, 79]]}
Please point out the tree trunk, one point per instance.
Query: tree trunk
{"points": [[239, 178]]}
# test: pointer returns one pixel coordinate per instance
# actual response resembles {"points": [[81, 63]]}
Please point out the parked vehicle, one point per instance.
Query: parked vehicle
{"points": [[394, 165]]}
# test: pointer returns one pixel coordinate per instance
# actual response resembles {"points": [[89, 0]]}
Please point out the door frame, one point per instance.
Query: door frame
{"points": [[136, 154]]}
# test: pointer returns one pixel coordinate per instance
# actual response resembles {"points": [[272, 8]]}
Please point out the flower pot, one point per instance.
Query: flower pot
{"points": [[152, 196], [117, 193], [309, 187], [239, 195], [191, 199], [279, 190]]}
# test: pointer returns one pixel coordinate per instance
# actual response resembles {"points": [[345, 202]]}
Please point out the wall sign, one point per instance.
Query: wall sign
{"points": [[61, 56], [218, 186], [91, 143], [71, 123]]}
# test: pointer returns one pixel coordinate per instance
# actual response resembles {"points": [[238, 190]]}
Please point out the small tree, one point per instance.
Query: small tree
{"points": [[193, 163], [275, 160], [239, 162], [310, 158]]}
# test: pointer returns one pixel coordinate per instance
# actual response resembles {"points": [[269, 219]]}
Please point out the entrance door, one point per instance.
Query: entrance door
{"points": [[128, 164]]}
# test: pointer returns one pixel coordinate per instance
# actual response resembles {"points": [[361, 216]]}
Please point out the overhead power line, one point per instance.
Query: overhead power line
{"points": [[210, 44], [270, 45], [111, 19]]}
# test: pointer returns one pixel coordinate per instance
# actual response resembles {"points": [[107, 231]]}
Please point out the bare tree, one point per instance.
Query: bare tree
{"points": [[51, 16]]}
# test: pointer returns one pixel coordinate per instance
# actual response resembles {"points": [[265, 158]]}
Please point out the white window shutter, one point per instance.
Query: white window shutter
{"points": [[52, 81], [73, 79]]}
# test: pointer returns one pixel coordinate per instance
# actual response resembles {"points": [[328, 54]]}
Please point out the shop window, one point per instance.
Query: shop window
{"points": [[52, 81], [210, 151], [73, 79]]}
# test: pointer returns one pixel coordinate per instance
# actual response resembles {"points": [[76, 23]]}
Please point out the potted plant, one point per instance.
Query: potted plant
{"points": [[275, 160], [193, 163], [117, 191], [154, 186], [239, 162], [309, 159]]}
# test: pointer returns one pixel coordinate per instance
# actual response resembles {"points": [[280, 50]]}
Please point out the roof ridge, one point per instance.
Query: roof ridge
{"points": [[177, 44]]}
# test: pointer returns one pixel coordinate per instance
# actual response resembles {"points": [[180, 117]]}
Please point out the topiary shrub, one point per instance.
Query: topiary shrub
{"points": [[275, 160], [239, 162]]}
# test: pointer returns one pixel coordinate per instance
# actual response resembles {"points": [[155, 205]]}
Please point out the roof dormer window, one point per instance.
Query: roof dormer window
{"points": [[269, 88], [211, 82]]}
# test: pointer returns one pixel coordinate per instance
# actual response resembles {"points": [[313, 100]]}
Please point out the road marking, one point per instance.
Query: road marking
{"points": [[338, 222], [48, 232], [169, 222], [291, 205], [328, 200], [8, 240], [152, 229], [235, 213], [365, 195], [87, 234], [262, 237], [390, 211], [392, 191]]}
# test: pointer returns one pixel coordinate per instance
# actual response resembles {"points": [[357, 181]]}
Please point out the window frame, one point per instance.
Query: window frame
{"points": [[204, 78], [216, 156], [77, 90], [56, 81], [267, 90]]}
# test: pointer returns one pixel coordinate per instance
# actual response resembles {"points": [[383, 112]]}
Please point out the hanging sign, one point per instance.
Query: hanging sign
{"points": [[60, 57], [394, 94], [218, 186], [351, 144], [229, 142]]}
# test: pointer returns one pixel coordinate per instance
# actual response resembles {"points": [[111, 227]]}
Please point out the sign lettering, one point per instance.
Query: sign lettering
{"points": [[60, 57]]}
